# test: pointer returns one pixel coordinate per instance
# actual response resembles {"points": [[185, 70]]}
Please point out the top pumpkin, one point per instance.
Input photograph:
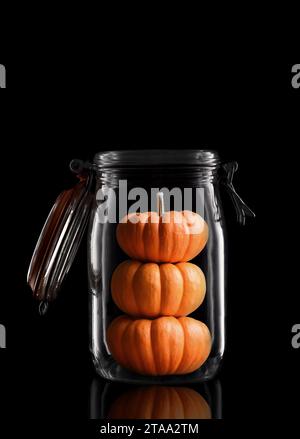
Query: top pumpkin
{"points": [[166, 237]]}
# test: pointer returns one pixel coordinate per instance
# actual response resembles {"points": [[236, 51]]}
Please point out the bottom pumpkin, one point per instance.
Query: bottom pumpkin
{"points": [[163, 346], [156, 402]]}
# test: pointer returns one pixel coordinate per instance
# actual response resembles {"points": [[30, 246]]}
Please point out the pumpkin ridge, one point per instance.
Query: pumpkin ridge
{"points": [[172, 250], [187, 365], [163, 368], [186, 269], [138, 351], [135, 241], [185, 250], [170, 355], [122, 344], [133, 291], [152, 350], [183, 287], [143, 234], [126, 362], [174, 370], [205, 329], [141, 241], [182, 355], [118, 298], [185, 322], [165, 281], [184, 257], [137, 357], [160, 291]]}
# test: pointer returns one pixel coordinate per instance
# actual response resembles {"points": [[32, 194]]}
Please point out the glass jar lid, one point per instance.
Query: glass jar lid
{"points": [[59, 240], [157, 157]]}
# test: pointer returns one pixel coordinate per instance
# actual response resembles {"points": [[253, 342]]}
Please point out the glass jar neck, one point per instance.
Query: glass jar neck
{"points": [[170, 176]]}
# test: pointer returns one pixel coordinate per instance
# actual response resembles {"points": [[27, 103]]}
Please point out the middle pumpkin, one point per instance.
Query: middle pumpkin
{"points": [[153, 290]]}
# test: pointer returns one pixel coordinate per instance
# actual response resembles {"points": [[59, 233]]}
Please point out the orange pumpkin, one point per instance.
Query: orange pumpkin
{"points": [[153, 290], [156, 402], [163, 346], [171, 237]]}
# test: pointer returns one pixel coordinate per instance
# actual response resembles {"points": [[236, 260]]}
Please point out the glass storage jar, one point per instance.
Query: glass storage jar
{"points": [[156, 261]]}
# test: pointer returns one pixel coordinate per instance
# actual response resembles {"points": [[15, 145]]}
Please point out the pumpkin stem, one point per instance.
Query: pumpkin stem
{"points": [[160, 204]]}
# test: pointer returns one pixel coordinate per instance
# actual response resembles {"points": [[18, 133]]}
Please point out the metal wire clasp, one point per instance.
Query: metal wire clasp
{"points": [[242, 210]]}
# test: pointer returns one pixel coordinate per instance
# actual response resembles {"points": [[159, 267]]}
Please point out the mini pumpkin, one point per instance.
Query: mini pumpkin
{"points": [[160, 402], [153, 290], [163, 346], [162, 236], [172, 237]]}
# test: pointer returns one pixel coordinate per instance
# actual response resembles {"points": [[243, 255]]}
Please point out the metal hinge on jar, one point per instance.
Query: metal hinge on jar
{"points": [[242, 210]]}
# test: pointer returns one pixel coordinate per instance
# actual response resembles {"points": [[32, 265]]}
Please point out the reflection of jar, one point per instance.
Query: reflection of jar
{"points": [[156, 279], [115, 401]]}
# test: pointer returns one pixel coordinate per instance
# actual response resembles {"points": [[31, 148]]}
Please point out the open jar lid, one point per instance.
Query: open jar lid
{"points": [[60, 237]]}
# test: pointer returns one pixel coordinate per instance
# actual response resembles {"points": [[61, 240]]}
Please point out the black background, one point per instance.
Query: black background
{"points": [[59, 107]]}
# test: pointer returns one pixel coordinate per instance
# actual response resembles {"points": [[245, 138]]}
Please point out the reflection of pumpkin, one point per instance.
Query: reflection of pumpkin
{"points": [[152, 290], [171, 237], [160, 403], [163, 346]]}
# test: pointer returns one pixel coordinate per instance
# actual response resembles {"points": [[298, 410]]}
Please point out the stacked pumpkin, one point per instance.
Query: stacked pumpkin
{"points": [[157, 288]]}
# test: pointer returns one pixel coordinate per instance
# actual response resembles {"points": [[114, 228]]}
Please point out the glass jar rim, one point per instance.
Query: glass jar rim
{"points": [[157, 157]]}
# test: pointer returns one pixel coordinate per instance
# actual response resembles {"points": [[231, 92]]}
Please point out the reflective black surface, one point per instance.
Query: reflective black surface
{"points": [[120, 401]]}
